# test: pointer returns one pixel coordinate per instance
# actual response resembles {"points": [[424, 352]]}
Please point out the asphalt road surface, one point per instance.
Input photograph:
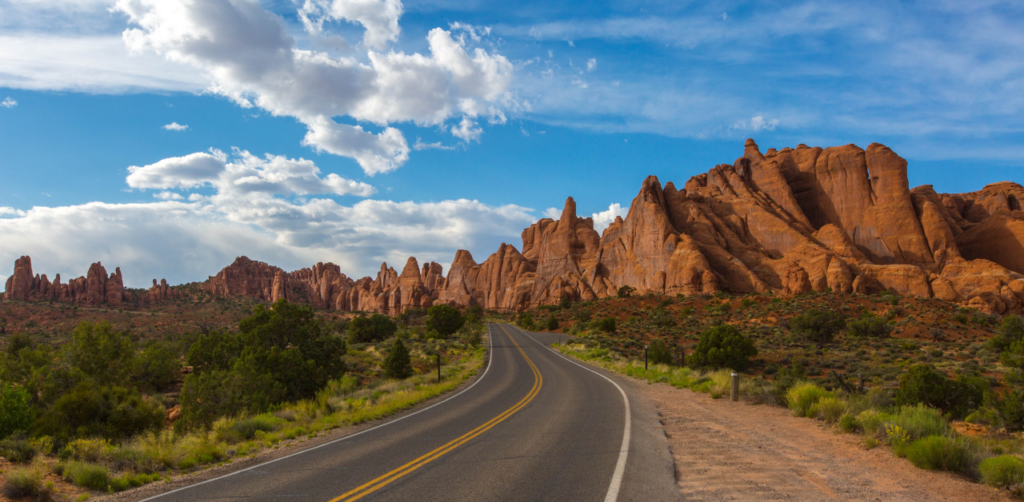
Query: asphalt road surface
{"points": [[534, 426]]}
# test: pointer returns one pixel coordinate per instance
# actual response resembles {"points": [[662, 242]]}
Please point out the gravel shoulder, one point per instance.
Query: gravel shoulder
{"points": [[737, 451]]}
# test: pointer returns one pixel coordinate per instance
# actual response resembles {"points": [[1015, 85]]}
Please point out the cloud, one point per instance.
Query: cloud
{"points": [[168, 196], [553, 212], [250, 57], [467, 130], [591, 64], [93, 63], [243, 175], [420, 145], [174, 126], [607, 217], [379, 17], [756, 124], [8, 103]]}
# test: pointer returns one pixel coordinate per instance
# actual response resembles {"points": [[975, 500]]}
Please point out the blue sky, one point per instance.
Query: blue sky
{"points": [[167, 137]]}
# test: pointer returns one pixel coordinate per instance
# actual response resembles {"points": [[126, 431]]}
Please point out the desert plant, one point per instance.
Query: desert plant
{"points": [[18, 450], [625, 291], [525, 320], [552, 323], [829, 409], [818, 326], [607, 325], [802, 397], [722, 347], [15, 409], [921, 421], [23, 483], [870, 325], [87, 474], [397, 364], [377, 327], [658, 353], [1003, 471], [445, 320], [925, 385], [942, 453]]}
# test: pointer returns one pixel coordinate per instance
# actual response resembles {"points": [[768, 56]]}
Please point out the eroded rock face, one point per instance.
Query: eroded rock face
{"points": [[787, 221]]}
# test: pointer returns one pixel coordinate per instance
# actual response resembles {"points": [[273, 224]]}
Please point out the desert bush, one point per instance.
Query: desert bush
{"points": [[375, 328], [829, 409], [625, 292], [18, 450], [607, 325], [22, 483], [870, 325], [92, 410], [445, 320], [658, 353], [802, 397], [88, 450], [662, 319], [246, 429], [87, 474], [280, 354], [818, 326], [1003, 471], [923, 384], [1009, 332], [583, 315], [397, 364], [552, 323], [105, 355], [156, 368], [848, 423], [525, 320], [722, 347], [943, 453], [15, 410], [921, 421], [871, 422]]}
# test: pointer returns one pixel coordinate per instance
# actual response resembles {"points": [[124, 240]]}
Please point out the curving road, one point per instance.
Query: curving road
{"points": [[534, 426]]}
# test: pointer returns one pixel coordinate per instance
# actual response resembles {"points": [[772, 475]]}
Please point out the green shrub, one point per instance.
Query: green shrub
{"points": [[662, 319], [1009, 332], [525, 321], [87, 474], [871, 421], [921, 421], [109, 412], [802, 397], [1003, 471], [625, 292], [445, 320], [829, 409], [23, 483], [723, 347], [15, 410], [848, 423], [88, 450], [375, 328], [246, 429], [942, 453], [607, 325], [553, 321], [397, 364], [18, 450], [870, 325], [818, 326], [583, 315], [658, 353], [923, 384]]}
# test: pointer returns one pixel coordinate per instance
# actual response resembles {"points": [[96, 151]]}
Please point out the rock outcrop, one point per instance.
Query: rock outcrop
{"points": [[787, 221]]}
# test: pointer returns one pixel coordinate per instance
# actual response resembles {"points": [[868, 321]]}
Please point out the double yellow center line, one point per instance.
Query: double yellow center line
{"points": [[382, 481]]}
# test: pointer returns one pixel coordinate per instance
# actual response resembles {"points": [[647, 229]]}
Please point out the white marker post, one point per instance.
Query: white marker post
{"points": [[735, 394]]}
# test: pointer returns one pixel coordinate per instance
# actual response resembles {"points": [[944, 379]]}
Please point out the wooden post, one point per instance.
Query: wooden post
{"points": [[735, 394], [645, 357]]}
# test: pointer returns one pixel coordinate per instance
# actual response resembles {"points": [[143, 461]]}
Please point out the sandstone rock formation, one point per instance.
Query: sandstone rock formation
{"points": [[96, 288], [787, 222]]}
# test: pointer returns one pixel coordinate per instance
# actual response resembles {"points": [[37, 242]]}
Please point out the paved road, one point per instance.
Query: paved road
{"points": [[534, 426]]}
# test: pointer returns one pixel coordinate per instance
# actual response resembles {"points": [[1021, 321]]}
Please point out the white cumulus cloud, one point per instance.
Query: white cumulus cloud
{"points": [[607, 217], [249, 57], [8, 103], [174, 126]]}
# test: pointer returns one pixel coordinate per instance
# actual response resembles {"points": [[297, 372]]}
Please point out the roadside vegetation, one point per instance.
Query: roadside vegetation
{"points": [[940, 385], [105, 410]]}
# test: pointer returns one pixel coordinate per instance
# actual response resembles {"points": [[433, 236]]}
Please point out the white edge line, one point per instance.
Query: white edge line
{"points": [[620, 467], [490, 358]]}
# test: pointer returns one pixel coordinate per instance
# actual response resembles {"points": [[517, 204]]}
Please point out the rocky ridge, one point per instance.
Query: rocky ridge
{"points": [[95, 288], [787, 222]]}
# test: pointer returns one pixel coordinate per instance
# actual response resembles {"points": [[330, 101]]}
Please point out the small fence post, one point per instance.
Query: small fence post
{"points": [[735, 394], [645, 357]]}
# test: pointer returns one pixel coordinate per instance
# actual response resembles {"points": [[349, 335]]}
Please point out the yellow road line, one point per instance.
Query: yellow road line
{"points": [[382, 481]]}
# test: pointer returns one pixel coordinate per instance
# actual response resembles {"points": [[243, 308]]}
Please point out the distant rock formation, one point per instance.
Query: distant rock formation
{"points": [[786, 222], [96, 288]]}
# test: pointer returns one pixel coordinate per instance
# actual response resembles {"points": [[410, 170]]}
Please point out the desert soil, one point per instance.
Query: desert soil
{"points": [[738, 451]]}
